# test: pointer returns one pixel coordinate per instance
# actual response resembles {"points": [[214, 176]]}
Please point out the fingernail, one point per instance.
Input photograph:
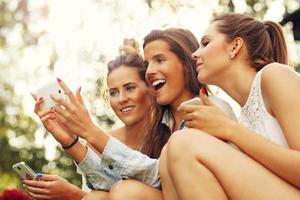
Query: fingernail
{"points": [[58, 79], [39, 175], [203, 91], [41, 98]]}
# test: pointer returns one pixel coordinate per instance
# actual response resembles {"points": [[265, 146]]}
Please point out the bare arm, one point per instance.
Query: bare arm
{"points": [[281, 93]]}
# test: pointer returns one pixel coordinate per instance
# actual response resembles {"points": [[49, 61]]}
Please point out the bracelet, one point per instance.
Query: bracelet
{"points": [[72, 144]]}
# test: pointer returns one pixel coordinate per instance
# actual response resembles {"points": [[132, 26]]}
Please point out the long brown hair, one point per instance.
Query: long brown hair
{"points": [[265, 41], [182, 43]]}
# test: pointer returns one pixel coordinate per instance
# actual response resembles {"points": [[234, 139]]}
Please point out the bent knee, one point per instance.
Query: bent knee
{"points": [[126, 189], [189, 144]]}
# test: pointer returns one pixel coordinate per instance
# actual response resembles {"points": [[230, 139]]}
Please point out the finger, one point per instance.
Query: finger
{"points": [[189, 124], [34, 96], [59, 100], [35, 183], [38, 196], [78, 95], [44, 113], [47, 177], [67, 90], [188, 108], [61, 119], [205, 100], [188, 116], [62, 112], [37, 105], [51, 116]]}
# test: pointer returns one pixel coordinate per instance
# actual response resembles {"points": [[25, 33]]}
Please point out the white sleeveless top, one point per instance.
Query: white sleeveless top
{"points": [[255, 116]]}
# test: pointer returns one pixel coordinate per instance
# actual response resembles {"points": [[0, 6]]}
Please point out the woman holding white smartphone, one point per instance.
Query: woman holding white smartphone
{"points": [[132, 103]]}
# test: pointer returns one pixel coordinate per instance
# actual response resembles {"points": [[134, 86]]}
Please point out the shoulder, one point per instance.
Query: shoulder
{"points": [[279, 83], [276, 77]]}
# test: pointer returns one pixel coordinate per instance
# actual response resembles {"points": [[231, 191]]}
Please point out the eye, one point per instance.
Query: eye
{"points": [[160, 59], [130, 88], [204, 43], [113, 93], [59, 91]]}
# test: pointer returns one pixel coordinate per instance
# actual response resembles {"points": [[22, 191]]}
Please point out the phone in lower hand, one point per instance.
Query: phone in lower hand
{"points": [[24, 171]]}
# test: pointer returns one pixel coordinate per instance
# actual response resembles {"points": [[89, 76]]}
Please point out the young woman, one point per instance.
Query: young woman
{"points": [[165, 52], [131, 101], [242, 56]]}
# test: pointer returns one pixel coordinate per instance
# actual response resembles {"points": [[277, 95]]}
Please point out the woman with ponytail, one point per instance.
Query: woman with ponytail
{"points": [[248, 60]]}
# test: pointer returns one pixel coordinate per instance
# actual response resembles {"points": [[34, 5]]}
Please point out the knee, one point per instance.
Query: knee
{"points": [[123, 190], [188, 144]]}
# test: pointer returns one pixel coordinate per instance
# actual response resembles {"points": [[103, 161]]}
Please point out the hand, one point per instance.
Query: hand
{"points": [[52, 187], [207, 117], [50, 122], [74, 114]]}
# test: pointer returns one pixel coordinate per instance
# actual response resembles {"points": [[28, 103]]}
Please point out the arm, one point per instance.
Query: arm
{"points": [[53, 187], [119, 162], [281, 93]]}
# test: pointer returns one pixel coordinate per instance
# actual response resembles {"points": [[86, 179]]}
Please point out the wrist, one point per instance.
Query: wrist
{"points": [[76, 193], [231, 130], [70, 145]]}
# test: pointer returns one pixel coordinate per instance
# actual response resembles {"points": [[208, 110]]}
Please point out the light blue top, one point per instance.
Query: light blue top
{"points": [[119, 162]]}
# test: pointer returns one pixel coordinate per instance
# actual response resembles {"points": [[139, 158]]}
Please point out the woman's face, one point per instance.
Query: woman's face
{"points": [[213, 56], [165, 74], [129, 95]]}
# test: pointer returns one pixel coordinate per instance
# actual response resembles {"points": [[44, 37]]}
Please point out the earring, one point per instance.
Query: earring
{"points": [[231, 56]]}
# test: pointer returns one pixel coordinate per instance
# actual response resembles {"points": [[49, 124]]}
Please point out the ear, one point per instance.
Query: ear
{"points": [[235, 47]]}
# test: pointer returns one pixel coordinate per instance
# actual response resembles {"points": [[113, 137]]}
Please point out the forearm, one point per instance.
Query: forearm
{"points": [[97, 138], [282, 161], [77, 152], [77, 193]]}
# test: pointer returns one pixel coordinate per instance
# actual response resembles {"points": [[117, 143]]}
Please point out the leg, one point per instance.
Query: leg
{"points": [[134, 190], [193, 152], [96, 195], [168, 190]]}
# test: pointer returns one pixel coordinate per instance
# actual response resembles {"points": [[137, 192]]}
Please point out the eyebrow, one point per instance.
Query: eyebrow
{"points": [[204, 37], [157, 56], [125, 85]]}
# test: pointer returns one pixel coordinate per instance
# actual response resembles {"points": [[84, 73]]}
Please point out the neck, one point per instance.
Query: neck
{"points": [[177, 116], [134, 134], [240, 83]]}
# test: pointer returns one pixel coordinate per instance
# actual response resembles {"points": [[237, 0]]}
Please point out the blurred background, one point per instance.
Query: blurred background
{"points": [[73, 40]]}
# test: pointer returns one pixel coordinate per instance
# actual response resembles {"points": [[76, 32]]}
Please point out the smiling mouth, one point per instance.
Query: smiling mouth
{"points": [[127, 109], [158, 84]]}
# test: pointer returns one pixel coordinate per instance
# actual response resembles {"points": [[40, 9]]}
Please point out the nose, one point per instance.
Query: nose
{"points": [[123, 97], [196, 55], [151, 70]]}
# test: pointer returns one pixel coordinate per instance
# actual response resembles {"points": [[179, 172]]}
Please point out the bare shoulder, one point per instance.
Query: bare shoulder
{"points": [[279, 76]]}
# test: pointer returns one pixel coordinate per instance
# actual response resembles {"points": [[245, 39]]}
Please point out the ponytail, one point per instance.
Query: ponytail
{"points": [[278, 43]]}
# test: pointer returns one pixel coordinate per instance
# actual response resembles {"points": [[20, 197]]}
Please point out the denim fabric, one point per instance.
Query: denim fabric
{"points": [[119, 162]]}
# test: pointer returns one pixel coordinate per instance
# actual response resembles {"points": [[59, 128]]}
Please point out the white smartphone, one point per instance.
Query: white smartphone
{"points": [[24, 171], [47, 90]]}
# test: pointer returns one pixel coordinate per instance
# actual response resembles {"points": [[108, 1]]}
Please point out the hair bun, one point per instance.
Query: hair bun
{"points": [[130, 46]]}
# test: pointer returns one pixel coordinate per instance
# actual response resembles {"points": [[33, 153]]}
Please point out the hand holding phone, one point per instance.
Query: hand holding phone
{"points": [[24, 171], [51, 88]]}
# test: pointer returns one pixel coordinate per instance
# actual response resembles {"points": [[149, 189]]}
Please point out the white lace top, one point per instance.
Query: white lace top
{"points": [[255, 116]]}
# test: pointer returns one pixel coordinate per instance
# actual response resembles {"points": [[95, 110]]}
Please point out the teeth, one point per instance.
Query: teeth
{"points": [[127, 109], [155, 83]]}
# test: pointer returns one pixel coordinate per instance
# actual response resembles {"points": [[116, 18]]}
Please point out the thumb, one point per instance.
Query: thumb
{"points": [[205, 100]]}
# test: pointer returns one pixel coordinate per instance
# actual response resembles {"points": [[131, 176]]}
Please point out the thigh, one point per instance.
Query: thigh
{"points": [[134, 190], [168, 191], [240, 175]]}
